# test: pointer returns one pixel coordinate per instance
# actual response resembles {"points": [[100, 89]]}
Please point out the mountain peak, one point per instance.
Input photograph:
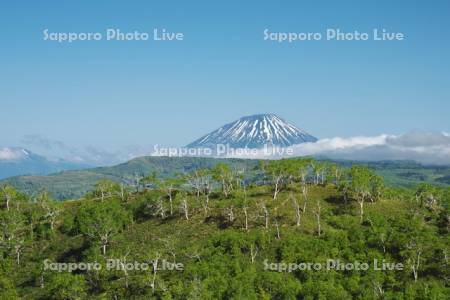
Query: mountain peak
{"points": [[255, 131], [14, 153], [20, 161], [260, 115]]}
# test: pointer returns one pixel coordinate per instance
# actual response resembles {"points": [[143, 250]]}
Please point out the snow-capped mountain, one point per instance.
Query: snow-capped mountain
{"points": [[255, 131], [15, 154], [19, 161]]}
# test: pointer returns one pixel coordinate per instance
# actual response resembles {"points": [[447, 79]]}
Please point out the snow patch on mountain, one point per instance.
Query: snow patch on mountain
{"points": [[20, 161], [255, 131], [13, 153]]}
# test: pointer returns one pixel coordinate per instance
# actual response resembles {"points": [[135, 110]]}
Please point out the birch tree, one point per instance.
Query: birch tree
{"points": [[196, 181], [297, 209], [9, 194], [265, 211], [360, 186], [317, 212], [101, 221], [13, 233], [319, 169], [277, 170], [184, 205], [206, 190], [336, 173], [169, 187], [222, 174], [50, 208]]}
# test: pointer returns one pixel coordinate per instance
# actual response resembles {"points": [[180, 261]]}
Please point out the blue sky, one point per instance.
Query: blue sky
{"points": [[115, 94]]}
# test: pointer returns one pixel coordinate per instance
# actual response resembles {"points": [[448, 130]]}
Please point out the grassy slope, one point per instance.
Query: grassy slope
{"points": [[197, 235], [197, 228]]}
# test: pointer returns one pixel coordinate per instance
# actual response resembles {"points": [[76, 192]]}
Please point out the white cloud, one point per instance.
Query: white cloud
{"points": [[92, 155], [339, 144], [424, 147], [12, 153]]}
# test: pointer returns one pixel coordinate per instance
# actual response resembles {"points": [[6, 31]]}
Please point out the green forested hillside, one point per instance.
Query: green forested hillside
{"points": [[74, 184], [407, 173], [303, 234]]}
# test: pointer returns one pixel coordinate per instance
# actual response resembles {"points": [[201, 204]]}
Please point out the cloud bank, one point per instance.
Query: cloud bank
{"points": [[12, 154], [95, 156], [423, 147]]}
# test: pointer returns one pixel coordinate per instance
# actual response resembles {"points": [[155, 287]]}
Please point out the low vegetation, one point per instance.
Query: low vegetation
{"points": [[226, 232], [75, 184]]}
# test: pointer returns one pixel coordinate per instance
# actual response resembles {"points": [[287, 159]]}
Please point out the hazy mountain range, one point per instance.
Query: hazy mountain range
{"points": [[252, 132], [19, 161], [74, 184], [70, 179]]}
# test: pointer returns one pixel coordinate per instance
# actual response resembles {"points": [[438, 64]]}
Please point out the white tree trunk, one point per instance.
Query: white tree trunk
{"points": [[361, 210], [185, 209], [277, 182]]}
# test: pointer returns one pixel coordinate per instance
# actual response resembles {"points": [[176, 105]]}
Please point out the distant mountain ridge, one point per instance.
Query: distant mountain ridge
{"points": [[16, 161], [255, 131], [74, 184], [12, 154]]}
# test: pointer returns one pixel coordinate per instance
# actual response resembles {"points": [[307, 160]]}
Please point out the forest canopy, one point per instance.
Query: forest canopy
{"points": [[224, 232]]}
